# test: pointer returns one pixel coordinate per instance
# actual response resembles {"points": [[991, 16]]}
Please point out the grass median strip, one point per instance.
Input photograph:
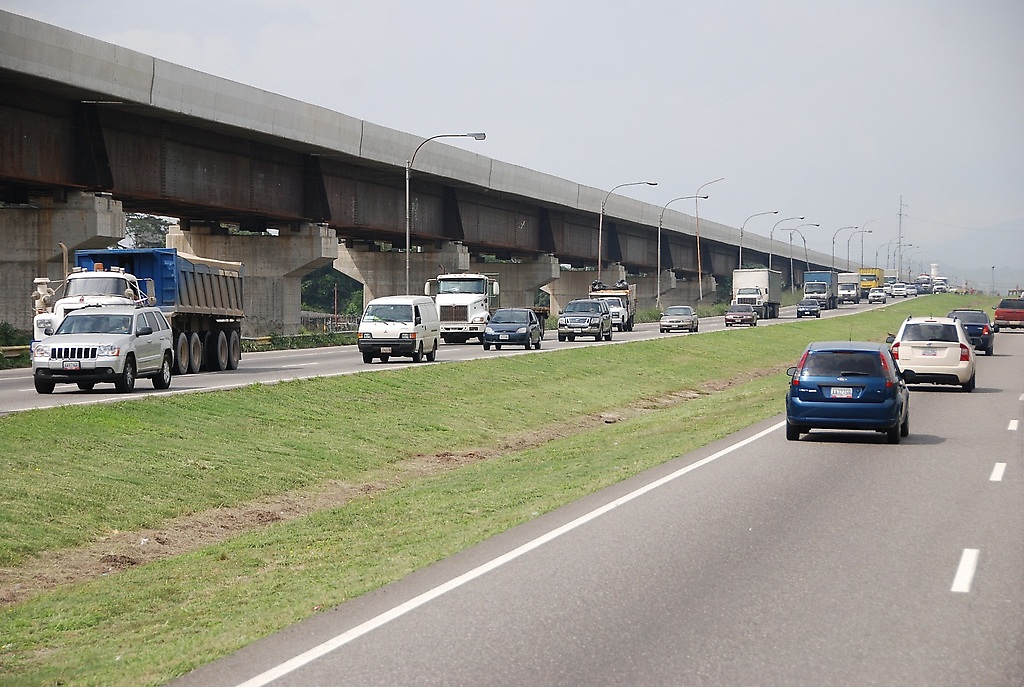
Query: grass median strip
{"points": [[379, 475]]}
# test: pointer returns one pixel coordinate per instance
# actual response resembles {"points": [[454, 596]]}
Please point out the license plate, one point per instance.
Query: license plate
{"points": [[503, 337], [929, 353], [385, 349], [842, 392], [72, 365]]}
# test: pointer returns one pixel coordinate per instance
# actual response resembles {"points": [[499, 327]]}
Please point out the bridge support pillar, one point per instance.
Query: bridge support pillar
{"points": [[274, 267], [572, 285], [32, 236], [383, 273], [520, 281], [647, 290]]}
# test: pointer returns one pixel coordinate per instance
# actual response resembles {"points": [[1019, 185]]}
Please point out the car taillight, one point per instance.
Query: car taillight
{"points": [[985, 329], [799, 368], [885, 369], [965, 353], [896, 350]]}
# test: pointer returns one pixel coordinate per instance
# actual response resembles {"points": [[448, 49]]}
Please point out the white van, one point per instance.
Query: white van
{"points": [[399, 325]]}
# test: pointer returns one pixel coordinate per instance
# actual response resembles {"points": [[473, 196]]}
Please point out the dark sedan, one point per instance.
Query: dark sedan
{"points": [[741, 313], [979, 329], [808, 307], [513, 326]]}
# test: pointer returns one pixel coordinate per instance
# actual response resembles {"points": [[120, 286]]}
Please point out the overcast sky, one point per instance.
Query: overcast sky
{"points": [[828, 110]]}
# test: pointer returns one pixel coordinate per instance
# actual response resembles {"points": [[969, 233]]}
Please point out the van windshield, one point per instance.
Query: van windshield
{"points": [[388, 313]]}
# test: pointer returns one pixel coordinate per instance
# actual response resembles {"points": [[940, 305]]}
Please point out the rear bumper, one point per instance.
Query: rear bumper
{"points": [[837, 415]]}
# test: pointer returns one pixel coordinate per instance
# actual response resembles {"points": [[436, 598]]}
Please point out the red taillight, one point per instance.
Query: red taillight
{"points": [[896, 350], [885, 369], [799, 367], [965, 353], [985, 329]]}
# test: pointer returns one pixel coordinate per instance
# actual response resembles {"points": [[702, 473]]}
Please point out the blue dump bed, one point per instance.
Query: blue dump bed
{"points": [[183, 284]]}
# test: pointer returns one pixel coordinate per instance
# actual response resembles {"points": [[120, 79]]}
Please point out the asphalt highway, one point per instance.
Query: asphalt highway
{"points": [[835, 560]]}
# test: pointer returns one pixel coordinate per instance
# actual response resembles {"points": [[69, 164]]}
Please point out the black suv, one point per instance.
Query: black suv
{"points": [[585, 317]]}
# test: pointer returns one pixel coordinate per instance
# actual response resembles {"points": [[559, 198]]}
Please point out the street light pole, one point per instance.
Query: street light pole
{"points": [[771, 236], [861, 244], [661, 219], [600, 220], [807, 265], [859, 231], [696, 215], [739, 263], [477, 135], [834, 245]]}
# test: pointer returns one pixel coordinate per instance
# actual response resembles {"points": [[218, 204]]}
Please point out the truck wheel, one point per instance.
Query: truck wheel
{"points": [[126, 382], [234, 350], [218, 361], [536, 346], [195, 353], [181, 354], [44, 387], [367, 358], [162, 379], [561, 338]]}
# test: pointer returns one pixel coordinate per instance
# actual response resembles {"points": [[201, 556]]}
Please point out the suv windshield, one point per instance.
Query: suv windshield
{"points": [[95, 324], [583, 306], [843, 364]]}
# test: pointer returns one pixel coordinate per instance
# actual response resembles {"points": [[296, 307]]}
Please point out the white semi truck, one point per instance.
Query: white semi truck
{"points": [[759, 288], [464, 304]]}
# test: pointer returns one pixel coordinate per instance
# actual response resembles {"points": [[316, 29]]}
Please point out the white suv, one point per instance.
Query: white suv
{"points": [[934, 350], [111, 343]]}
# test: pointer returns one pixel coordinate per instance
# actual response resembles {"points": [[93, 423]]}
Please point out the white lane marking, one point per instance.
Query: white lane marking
{"points": [[965, 571], [1012, 426], [997, 472], [414, 603]]}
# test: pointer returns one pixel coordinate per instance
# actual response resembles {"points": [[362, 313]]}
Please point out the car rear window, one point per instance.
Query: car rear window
{"points": [[930, 331], [839, 363], [970, 316], [1012, 304]]}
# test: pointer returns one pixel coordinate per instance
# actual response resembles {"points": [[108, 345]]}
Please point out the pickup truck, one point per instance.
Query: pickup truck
{"points": [[1010, 313]]}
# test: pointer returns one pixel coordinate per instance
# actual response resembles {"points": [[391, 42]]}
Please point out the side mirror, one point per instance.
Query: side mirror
{"points": [[791, 371], [48, 331], [889, 339], [144, 331], [419, 320]]}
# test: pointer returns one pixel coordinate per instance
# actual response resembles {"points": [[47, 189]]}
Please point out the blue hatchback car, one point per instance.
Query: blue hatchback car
{"points": [[847, 385]]}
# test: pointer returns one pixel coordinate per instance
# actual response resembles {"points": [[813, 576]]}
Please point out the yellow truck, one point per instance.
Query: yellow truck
{"points": [[870, 278]]}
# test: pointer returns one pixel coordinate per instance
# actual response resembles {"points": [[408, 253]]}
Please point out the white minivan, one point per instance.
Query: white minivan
{"points": [[405, 326]]}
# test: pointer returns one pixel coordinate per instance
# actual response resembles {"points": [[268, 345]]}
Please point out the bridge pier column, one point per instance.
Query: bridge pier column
{"points": [[520, 281], [274, 267], [647, 290], [32, 236], [572, 285], [383, 273]]}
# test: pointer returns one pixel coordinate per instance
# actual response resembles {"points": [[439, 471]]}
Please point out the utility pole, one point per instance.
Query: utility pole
{"points": [[899, 244]]}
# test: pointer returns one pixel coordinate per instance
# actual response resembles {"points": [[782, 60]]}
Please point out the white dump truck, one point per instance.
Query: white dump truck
{"points": [[622, 302]]}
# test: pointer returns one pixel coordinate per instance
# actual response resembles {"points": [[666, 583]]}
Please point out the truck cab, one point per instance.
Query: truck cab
{"points": [[464, 304], [81, 288]]}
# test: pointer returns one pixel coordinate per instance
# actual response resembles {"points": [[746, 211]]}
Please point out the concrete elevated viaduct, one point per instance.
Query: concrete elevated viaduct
{"points": [[89, 130]]}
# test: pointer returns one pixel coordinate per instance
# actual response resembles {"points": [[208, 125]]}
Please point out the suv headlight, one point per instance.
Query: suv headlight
{"points": [[41, 350], [595, 320], [108, 351]]}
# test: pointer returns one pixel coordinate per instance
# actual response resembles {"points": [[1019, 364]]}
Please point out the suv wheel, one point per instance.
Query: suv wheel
{"points": [[126, 382], [162, 380], [44, 387]]}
